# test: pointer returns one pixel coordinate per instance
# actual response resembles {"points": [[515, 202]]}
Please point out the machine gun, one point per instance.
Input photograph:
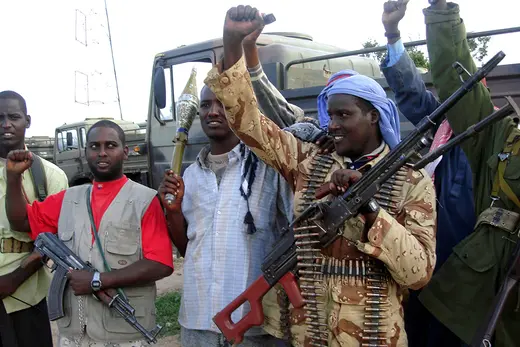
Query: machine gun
{"points": [[279, 266], [64, 260]]}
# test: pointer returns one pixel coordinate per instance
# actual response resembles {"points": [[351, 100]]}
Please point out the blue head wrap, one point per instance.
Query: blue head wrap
{"points": [[323, 116], [366, 88]]}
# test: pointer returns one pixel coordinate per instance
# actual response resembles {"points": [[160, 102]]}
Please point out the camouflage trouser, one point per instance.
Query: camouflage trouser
{"points": [[87, 342], [204, 338]]}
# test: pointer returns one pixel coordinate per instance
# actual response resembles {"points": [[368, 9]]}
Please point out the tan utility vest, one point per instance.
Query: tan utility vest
{"points": [[120, 236]]}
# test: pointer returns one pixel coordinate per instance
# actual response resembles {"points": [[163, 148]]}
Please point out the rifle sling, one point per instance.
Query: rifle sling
{"points": [[512, 147], [98, 241], [39, 178]]}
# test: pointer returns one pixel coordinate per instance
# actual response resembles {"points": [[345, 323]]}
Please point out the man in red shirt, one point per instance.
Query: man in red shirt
{"points": [[135, 247]]}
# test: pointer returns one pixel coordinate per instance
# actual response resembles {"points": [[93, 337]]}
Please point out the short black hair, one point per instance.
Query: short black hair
{"points": [[105, 123], [9, 94]]}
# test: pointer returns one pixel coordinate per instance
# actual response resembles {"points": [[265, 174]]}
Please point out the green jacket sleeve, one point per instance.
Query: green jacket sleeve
{"points": [[447, 44]]}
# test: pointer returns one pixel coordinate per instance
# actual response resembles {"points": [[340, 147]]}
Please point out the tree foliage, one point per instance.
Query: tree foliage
{"points": [[478, 48]]}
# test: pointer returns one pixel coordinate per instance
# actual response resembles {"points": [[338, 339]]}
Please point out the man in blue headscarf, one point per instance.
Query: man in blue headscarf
{"points": [[350, 82], [355, 283]]}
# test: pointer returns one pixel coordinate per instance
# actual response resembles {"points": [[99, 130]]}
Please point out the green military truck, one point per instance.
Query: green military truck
{"points": [[42, 146], [294, 63], [69, 150]]}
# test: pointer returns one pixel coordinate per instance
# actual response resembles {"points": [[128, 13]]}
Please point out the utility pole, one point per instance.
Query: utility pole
{"points": [[93, 77], [113, 61]]}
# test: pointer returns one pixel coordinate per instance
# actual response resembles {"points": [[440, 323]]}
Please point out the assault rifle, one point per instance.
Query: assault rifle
{"points": [[64, 260], [279, 266]]}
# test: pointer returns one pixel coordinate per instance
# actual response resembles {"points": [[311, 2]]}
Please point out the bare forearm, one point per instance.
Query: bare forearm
{"points": [[28, 267], [232, 51], [251, 55], [177, 231], [15, 204], [137, 274]]}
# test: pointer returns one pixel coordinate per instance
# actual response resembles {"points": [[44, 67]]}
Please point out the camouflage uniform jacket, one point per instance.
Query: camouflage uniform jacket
{"points": [[401, 240]]}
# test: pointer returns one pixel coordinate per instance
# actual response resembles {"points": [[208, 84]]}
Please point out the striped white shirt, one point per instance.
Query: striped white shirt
{"points": [[221, 259]]}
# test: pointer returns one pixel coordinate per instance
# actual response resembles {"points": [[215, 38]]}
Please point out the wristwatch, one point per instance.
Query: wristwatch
{"points": [[96, 281]]}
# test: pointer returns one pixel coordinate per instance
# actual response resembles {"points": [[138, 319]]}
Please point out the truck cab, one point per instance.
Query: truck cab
{"points": [[171, 71], [71, 140]]}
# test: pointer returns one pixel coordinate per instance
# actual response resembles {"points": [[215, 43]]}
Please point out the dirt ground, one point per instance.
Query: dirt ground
{"points": [[168, 284]]}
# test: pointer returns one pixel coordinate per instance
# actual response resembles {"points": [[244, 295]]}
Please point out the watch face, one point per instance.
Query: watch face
{"points": [[96, 284]]}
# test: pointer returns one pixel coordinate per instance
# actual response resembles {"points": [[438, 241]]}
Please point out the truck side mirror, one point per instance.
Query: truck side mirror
{"points": [[159, 87], [70, 143]]}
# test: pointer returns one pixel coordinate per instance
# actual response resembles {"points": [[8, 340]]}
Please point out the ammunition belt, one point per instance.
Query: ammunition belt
{"points": [[313, 267], [309, 253], [390, 195], [352, 268], [12, 245]]}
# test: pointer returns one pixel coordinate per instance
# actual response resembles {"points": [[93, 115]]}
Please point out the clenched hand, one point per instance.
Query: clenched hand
{"points": [[394, 11], [172, 184], [18, 161], [80, 281], [342, 179], [240, 22]]}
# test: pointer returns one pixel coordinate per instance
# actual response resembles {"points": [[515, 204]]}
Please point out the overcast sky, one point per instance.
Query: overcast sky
{"points": [[40, 53]]}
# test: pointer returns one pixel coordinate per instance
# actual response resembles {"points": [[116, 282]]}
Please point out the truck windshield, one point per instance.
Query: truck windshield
{"points": [[181, 73]]}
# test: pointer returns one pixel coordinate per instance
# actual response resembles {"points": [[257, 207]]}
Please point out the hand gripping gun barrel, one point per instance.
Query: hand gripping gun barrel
{"points": [[50, 246], [279, 265]]}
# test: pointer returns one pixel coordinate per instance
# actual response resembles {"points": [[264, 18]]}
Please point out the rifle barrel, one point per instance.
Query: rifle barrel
{"points": [[471, 131]]}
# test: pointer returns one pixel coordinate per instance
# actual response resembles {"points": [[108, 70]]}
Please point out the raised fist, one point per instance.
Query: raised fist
{"points": [[242, 21], [393, 13], [18, 161]]}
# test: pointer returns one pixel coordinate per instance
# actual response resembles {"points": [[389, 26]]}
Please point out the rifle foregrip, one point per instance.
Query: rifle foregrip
{"points": [[234, 332], [56, 292]]}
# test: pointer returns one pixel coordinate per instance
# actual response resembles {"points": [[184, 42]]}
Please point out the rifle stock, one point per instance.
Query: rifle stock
{"points": [[329, 217], [56, 293]]}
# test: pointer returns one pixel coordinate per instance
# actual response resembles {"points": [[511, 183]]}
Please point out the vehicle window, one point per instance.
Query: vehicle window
{"points": [[166, 113], [67, 142], [181, 74], [61, 142], [83, 134]]}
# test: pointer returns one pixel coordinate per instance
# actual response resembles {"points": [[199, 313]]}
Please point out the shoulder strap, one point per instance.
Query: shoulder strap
{"points": [[39, 178], [512, 147], [97, 240]]}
